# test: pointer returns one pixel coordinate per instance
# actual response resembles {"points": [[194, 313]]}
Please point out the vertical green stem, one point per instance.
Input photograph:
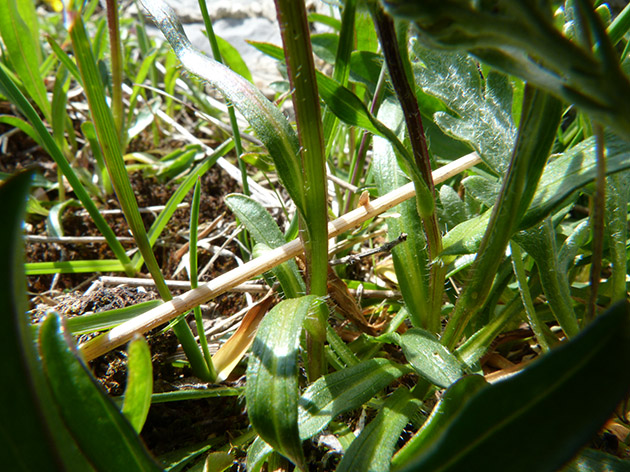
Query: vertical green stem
{"points": [[194, 282], [523, 287], [216, 51], [117, 67], [397, 64], [301, 70], [598, 213]]}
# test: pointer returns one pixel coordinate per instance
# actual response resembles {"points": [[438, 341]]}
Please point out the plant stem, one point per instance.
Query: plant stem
{"points": [[397, 64], [183, 303], [598, 213], [115, 46], [216, 52], [301, 70]]}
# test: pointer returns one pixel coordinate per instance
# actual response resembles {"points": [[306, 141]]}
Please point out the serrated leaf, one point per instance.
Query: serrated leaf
{"points": [[373, 448], [572, 390], [103, 433], [139, 383], [272, 378], [342, 391], [483, 107]]}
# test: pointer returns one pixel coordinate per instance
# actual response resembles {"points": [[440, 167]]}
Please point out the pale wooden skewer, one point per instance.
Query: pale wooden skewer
{"points": [[185, 302]]}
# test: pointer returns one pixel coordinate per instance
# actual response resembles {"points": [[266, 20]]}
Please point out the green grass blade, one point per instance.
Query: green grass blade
{"points": [[27, 439], [8, 88], [374, 447], [344, 390], [109, 442], [139, 383], [268, 122], [23, 52], [73, 267], [575, 387], [108, 319], [108, 138], [272, 378]]}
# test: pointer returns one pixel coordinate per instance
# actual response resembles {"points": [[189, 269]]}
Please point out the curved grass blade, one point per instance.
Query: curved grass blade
{"points": [[102, 432], [108, 319], [8, 88], [139, 383], [573, 390], [109, 141], [268, 122], [73, 267], [26, 435], [344, 390], [373, 448], [257, 454], [23, 52], [272, 378]]}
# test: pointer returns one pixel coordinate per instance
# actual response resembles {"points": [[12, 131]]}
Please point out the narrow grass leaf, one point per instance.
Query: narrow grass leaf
{"points": [[26, 435], [108, 319], [22, 125], [573, 390], [23, 53], [411, 258], [272, 378], [8, 88], [344, 390], [73, 267], [373, 448], [139, 383], [109, 442], [257, 454], [268, 122]]}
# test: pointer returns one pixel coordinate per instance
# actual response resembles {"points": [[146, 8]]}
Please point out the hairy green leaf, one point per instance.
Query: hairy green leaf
{"points": [[272, 377], [342, 391]]}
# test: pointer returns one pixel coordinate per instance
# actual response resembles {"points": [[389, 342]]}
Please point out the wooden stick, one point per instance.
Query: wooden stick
{"points": [[185, 302]]}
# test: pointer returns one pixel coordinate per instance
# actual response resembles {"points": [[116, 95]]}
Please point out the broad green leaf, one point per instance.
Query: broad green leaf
{"points": [[453, 211], [101, 430], [139, 383], [23, 51], [325, 46], [373, 448], [268, 122], [272, 377], [484, 107], [444, 412], [428, 357], [574, 388], [411, 259], [342, 391]]}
